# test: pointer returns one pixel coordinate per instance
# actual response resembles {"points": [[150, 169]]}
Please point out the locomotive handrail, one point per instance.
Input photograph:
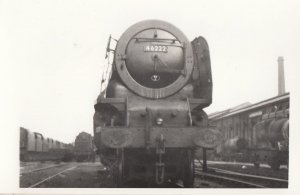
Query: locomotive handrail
{"points": [[108, 49], [106, 74], [154, 39], [161, 41]]}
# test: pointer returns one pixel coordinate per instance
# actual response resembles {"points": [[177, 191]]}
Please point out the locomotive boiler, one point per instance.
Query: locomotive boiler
{"points": [[149, 119]]}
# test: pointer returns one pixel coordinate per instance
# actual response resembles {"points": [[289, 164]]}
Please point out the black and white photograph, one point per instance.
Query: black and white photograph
{"points": [[139, 96]]}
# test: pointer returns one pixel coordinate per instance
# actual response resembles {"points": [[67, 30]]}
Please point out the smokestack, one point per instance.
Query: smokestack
{"points": [[281, 81]]}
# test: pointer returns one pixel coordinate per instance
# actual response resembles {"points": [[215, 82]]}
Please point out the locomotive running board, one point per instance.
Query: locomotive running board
{"points": [[118, 103], [194, 102]]}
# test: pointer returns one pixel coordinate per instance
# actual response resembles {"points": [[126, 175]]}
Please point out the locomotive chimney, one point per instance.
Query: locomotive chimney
{"points": [[281, 82]]}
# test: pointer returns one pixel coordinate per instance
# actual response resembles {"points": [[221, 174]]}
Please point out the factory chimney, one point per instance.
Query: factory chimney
{"points": [[281, 81]]}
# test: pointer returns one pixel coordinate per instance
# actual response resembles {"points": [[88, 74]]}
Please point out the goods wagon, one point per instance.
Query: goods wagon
{"points": [[35, 147]]}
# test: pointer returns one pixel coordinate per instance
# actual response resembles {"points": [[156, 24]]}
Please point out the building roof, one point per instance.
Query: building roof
{"points": [[240, 109]]}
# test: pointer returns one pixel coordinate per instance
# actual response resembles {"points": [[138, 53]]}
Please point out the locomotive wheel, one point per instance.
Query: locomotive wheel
{"points": [[188, 170], [119, 168]]}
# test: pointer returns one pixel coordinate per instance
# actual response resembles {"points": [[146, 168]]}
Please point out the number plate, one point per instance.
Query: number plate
{"points": [[156, 48]]}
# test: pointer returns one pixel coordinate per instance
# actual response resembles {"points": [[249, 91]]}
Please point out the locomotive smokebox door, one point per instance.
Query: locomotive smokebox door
{"points": [[154, 58], [152, 61]]}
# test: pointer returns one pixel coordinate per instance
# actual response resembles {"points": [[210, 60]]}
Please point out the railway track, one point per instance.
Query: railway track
{"points": [[213, 178], [36, 177], [41, 169], [240, 180], [50, 177], [245, 168]]}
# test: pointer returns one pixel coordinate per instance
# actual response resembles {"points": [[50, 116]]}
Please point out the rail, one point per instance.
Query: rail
{"points": [[241, 180], [50, 177], [41, 169]]}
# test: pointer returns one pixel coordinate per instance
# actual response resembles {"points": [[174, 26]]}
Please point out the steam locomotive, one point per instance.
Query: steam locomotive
{"points": [[84, 147], [271, 143], [149, 117], [258, 133]]}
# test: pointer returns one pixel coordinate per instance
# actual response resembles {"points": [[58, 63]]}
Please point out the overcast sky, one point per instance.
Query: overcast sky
{"points": [[53, 52]]}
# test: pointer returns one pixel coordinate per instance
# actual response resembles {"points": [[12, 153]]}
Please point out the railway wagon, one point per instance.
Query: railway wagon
{"points": [[39, 142], [50, 142], [263, 125], [149, 116], [27, 143], [45, 144], [35, 147], [32, 145], [84, 147]]}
